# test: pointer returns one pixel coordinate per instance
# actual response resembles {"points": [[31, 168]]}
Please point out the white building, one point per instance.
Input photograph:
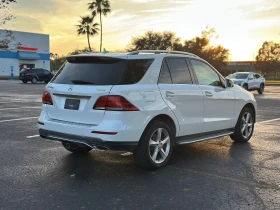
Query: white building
{"points": [[25, 50]]}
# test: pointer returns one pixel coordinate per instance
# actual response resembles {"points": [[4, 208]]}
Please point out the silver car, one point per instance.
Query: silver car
{"points": [[249, 81]]}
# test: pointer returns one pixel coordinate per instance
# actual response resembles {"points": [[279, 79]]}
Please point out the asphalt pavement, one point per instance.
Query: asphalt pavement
{"points": [[217, 174]]}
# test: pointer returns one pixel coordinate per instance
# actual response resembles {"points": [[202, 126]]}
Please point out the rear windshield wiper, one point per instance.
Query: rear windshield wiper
{"points": [[82, 82]]}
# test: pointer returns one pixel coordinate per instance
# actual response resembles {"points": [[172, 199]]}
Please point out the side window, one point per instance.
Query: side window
{"points": [[164, 77], [40, 71], [46, 72], [205, 74], [251, 76], [179, 71], [257, 76], [137, 68]]}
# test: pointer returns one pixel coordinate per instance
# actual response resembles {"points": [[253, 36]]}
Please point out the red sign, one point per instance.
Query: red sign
{"points": [[28, 48]]}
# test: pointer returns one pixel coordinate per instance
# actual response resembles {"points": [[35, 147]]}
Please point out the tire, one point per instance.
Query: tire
{"points": [[24, 81], [34, 80], [245, 86], [74, 148], [261, 89], [154, 150], [244, 128]]}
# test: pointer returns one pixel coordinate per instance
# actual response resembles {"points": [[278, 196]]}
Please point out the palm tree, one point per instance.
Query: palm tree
{"points": [[101, 7], [86, 27]]}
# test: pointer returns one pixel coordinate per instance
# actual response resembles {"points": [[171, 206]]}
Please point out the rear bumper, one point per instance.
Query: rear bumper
{"points": [[89, 141]]}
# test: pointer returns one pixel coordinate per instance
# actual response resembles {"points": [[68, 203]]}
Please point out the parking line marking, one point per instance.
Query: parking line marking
{"points": [[30, 107], [6, 102], [27, 118], [269, 121], [30, 137]]}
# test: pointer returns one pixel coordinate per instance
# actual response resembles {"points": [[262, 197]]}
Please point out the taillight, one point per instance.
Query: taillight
{"points": [[27, 73], [114, 103], [46, 98]]}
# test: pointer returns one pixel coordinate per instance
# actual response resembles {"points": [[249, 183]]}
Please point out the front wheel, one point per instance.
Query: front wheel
{"points": [[261, 89], [155, 146], [71, 147], [245, 126]]}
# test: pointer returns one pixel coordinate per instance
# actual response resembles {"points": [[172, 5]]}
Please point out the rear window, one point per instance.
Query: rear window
{"points": [[101, 71]]}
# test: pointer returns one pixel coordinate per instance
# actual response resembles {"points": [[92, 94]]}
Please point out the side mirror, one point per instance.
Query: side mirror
{"points": [[229, 83]]}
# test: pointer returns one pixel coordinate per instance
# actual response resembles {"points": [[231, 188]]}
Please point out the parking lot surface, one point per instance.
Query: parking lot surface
{"points": [[217, 174]]}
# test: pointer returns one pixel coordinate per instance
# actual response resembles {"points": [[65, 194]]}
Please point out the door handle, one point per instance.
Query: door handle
{"points": [[170, 94], [208, 94]]}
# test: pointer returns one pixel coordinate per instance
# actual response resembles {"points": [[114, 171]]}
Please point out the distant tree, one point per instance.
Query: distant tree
{"points": [[200, 45], [79, 51], [87, 27], [268, 58], [101, 7], [151, 40], [6, 36]]}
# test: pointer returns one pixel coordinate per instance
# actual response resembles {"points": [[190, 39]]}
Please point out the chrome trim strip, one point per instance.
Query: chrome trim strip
{"points": [[71, 96], [205, 138]]}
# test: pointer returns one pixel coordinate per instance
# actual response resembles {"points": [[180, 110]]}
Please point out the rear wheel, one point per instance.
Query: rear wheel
{"points": [[245, 86], [261, 89], [24, 81], [155, 146], [245, 126], [75, 148], [34, 80]]}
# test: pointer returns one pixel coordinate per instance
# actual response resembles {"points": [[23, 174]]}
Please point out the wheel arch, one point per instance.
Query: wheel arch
{"points": [[167, 119], [252, 107]]}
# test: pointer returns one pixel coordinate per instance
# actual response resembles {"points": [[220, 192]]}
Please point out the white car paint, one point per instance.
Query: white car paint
{"points": [[192, 111], [253, 80]]}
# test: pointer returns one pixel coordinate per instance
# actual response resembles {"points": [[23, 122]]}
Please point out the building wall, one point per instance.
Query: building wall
{"points": [[9, 57]]}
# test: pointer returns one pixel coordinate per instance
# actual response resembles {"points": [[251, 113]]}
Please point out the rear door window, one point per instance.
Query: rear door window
{"points": [[179, 71], [40, 71], [164, 77]]}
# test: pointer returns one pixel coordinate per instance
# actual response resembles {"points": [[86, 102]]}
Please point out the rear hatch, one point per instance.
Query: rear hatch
{"points": [[79, 83]]}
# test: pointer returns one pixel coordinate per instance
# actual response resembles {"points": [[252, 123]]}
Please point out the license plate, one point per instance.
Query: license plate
{"points": [[72, 104]]}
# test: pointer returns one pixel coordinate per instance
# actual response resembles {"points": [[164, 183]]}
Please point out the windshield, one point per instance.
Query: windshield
{"points": [[239, 76]]}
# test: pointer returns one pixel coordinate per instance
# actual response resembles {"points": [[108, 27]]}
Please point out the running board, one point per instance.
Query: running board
{"points": [[203, 136]]}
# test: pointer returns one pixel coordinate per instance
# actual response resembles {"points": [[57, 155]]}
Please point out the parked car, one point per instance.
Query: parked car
{"points": [[144, 102], [249, 81], [35, 75]]}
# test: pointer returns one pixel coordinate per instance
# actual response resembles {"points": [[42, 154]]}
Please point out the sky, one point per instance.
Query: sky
{"points": [[242, 25]]}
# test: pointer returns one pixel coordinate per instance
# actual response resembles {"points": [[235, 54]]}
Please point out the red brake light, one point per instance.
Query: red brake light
{"points": [[114, 103], [46, 98], [27, 73]]}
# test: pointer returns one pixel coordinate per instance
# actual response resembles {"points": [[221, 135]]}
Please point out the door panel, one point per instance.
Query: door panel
{"points": [[218, 108], [219, 102], [186, 102], [182, 97]]}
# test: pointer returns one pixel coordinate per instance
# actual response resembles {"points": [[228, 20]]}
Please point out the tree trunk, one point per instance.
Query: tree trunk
{"points": [[100, 31], [88, 41]]}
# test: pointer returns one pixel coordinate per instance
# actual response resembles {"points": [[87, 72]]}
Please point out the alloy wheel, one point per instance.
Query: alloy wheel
{"points": [[159, 145], [247, 125]]}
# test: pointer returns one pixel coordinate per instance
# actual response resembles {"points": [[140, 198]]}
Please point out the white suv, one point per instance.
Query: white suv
{"points": [[144, 102], [249, 81]]}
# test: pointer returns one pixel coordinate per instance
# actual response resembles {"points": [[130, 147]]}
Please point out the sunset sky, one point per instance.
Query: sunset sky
{"points": [[242, 25]]}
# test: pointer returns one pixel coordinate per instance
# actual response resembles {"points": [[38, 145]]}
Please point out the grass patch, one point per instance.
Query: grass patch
{"points": [[7, 77]]}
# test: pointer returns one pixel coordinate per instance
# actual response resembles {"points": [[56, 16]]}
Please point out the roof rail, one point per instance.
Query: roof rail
{"points": [[160, 52]]}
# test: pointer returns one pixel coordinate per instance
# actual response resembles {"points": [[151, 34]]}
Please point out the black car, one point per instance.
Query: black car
{"points": [[35, 75]]}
